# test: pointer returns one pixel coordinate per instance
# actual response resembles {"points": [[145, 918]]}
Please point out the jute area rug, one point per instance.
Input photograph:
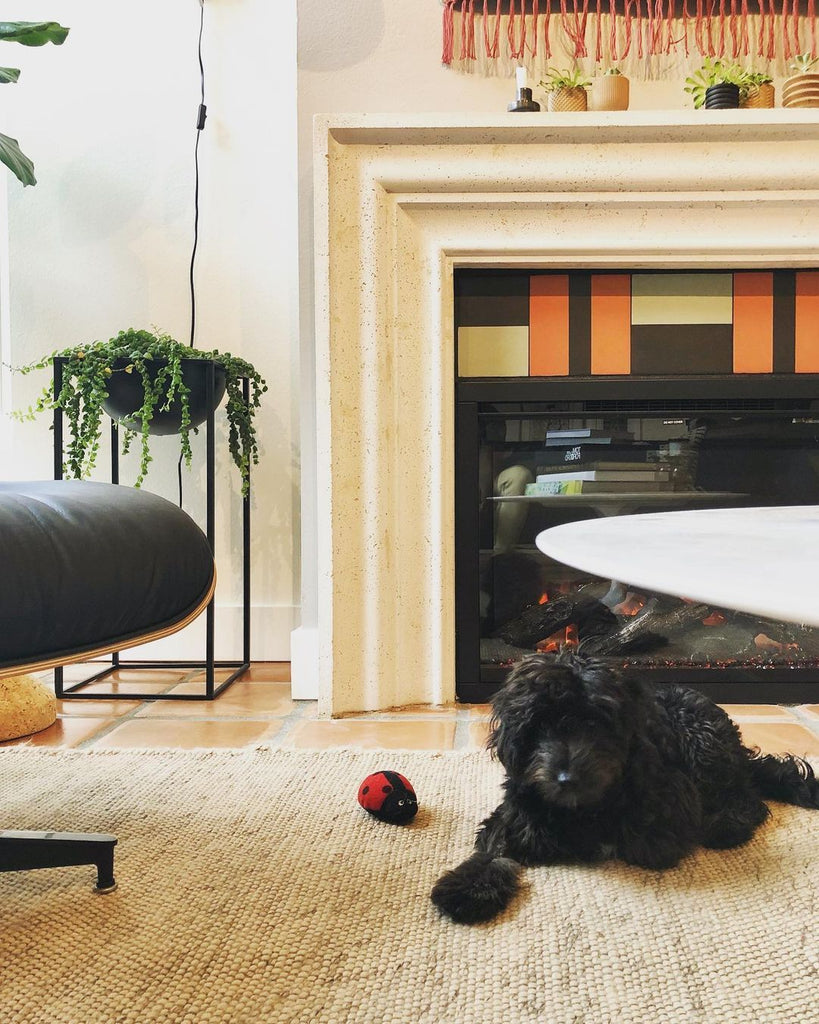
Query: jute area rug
{"points": [[253, 888]]}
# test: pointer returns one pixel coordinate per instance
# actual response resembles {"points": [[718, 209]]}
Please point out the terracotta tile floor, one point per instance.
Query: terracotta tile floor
{"points": [[258, 709]]}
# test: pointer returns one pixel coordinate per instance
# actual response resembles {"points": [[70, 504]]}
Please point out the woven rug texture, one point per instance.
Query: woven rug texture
{"points": [[253, 888]]}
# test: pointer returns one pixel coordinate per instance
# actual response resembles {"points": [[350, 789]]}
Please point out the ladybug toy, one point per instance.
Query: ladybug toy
{"points": [[388, 796]]}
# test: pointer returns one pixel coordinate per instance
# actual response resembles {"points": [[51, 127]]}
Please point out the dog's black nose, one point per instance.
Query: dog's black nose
{"points": [[564, 777]]}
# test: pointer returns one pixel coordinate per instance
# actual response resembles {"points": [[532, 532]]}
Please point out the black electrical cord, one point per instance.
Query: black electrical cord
{"points": [[200, 124]]}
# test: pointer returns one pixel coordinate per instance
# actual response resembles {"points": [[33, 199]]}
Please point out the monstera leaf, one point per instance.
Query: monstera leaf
{"points": [[33, 33], [16, 160], [28, 33]]}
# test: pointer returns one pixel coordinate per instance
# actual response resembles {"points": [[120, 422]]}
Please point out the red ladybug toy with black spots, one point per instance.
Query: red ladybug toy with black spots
{"points": [[388, 796]]}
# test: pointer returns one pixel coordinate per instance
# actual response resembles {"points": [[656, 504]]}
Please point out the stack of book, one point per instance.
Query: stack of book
{"points": [[602, 478], [585, 435]]}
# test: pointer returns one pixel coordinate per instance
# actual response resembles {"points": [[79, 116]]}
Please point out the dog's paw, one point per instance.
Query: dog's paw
{"points": [[476, 890]]}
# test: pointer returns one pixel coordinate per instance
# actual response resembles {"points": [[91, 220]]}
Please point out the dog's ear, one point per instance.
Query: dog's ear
{"points": [[515, 710]]}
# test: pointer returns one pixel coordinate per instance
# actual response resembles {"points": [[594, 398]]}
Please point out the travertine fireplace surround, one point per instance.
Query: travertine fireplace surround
{"points": [[401, 202]]}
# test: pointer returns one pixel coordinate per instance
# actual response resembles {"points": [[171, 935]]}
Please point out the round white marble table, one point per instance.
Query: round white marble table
{"points": [[759, 560]]}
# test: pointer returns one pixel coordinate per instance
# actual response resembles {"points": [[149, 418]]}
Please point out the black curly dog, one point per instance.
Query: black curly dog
{"points": [[598, 766]]}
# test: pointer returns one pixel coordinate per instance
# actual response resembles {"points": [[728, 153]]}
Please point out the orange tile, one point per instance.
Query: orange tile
{"points": [[268, 672], [610, 323], [65, 732], [110, 708], [154, 676], [242, 698], [320, 735], [784, 738], [479, 710], [806, 341], [412, 711], [179, 735], [756, 711], [548, 325], [753, 322], [478, 735]]}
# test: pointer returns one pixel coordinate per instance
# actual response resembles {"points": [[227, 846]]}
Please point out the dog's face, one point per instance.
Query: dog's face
{"points": [[564, 726]]}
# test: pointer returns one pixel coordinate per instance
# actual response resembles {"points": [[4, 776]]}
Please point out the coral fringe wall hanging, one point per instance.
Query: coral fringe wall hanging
{"points": [[645, 38]]}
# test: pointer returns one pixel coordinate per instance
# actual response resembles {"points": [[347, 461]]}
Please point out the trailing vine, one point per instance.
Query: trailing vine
{"points": [[157, 359]]}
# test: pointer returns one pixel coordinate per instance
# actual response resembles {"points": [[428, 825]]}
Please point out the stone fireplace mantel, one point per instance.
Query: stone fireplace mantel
{"points": [[400, 203]]}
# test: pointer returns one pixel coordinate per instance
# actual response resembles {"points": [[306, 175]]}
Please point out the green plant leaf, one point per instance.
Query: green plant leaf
{"points": [[9, 75], [33, 33], [16, 160]]}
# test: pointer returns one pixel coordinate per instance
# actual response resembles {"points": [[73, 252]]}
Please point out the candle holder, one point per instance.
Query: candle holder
{"points": [[524, 102]]}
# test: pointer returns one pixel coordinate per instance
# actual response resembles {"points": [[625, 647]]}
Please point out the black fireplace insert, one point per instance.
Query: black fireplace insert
{"points": [[532, 453]]}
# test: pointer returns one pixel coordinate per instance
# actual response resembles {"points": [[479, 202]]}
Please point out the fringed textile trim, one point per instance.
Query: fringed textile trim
{"points": [[646, 38]]}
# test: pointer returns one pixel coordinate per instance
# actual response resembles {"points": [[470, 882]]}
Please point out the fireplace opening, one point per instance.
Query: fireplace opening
{"points": [[583, 394], [535, 464]]}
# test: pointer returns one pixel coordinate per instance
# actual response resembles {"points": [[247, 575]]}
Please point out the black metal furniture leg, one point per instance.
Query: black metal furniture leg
{"points": [[24, 851]]}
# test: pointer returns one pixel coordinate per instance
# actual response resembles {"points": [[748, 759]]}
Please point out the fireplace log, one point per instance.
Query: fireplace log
{"points": [[539, 621], [648, 630]]}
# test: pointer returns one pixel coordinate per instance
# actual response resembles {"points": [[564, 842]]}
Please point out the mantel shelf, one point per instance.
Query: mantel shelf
{"points": [[777, 125]]}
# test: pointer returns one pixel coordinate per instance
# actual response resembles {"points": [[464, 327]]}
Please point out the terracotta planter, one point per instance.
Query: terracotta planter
{"points": [[567, 100], [609, 93], [801, 91], [761, 97], [722, 97]]}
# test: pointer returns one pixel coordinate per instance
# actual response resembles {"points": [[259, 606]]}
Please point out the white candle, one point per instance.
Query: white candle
{"points": [[520, 75]]}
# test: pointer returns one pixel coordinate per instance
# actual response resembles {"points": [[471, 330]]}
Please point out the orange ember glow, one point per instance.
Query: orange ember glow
{"points": [[566, 637], [544, 599], [630, 605], [714, 619]]}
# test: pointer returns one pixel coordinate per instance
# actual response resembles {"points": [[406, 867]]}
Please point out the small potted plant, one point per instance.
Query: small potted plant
{"points": [[758, 91], [151, 384], [610, 91], [802, 88], [566, 90], [717, 85]]}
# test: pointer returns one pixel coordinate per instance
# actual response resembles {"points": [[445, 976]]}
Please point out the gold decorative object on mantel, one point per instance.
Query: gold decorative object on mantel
{"points": [[802, 89], [609, 92], [566, 90]]}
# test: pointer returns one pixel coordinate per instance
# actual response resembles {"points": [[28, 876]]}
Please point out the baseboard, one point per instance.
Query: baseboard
{"points": [[304, 663]]}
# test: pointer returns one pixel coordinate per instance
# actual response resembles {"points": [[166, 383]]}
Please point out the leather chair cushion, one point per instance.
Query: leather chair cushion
{"points": [[86, 565]]}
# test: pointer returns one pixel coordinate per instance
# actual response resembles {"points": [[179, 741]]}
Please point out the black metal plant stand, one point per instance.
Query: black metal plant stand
{"points": [[209, 664]]}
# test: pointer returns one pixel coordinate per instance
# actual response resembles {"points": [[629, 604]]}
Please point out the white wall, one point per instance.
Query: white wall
{"points": [[103, 241]]}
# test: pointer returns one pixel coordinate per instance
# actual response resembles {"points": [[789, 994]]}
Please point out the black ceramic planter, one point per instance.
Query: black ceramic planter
{"points": [[722, 97], [126, 395]]}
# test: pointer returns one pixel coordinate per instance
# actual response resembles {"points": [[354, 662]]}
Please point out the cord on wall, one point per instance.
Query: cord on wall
{"points": [[200, 124]]}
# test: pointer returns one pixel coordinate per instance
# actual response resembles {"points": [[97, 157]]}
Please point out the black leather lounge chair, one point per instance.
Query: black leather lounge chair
{"points": [[86, 569]]}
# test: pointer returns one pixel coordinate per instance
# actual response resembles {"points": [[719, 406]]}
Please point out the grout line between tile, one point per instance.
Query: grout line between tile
{"points": [[810, 722]]}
